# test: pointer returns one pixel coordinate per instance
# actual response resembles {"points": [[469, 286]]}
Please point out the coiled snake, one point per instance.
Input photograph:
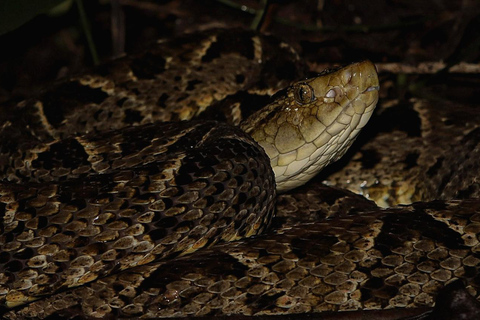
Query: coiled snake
{"points": [[99, 223]]}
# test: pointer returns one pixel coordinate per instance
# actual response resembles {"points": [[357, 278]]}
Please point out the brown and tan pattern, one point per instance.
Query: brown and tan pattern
{"points": [[423, 151], [175, 80], [378, 259], [108, 224], [212, 184]]}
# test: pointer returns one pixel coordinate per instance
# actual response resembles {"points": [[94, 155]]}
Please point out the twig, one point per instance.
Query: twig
{"points": [[88, 32], [237, 6], [259, 16], [390, 314], [118, 28]]}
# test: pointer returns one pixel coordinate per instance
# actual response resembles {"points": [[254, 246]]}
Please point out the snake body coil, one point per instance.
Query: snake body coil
{"points": [[108, 224]]}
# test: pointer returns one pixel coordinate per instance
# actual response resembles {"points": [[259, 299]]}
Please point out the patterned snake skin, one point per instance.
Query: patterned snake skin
{"points": [[108, 224]]}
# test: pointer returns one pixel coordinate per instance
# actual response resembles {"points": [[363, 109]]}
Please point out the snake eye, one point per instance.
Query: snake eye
{"points": [[304, 94]]}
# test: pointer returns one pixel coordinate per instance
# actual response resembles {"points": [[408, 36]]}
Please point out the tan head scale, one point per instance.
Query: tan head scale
{"points": [[313, 122]]}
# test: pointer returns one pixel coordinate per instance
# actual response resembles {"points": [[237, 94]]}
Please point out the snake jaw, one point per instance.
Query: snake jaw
{"points": [[314, 122]]}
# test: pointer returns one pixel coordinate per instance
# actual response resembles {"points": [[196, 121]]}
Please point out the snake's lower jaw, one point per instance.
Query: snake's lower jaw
{"points": [[316, 121]]}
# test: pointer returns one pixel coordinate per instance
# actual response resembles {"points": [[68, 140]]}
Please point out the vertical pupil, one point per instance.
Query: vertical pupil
{"points": [[304, 94]]}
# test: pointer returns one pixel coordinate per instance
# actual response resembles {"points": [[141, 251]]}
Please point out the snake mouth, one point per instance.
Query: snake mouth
{"points": [[372, 88]]}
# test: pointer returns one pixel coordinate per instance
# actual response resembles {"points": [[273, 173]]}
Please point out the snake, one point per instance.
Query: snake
{"points": [[109, 213]]}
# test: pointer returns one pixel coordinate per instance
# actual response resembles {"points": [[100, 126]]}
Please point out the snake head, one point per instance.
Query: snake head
{"points": [[313, 122]]}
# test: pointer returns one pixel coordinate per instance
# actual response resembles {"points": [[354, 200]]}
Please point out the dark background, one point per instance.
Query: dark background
{"points": [[40, 44]]}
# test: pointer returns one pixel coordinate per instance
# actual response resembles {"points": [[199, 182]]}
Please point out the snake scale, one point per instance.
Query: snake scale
{"points": [[181, 218]]}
